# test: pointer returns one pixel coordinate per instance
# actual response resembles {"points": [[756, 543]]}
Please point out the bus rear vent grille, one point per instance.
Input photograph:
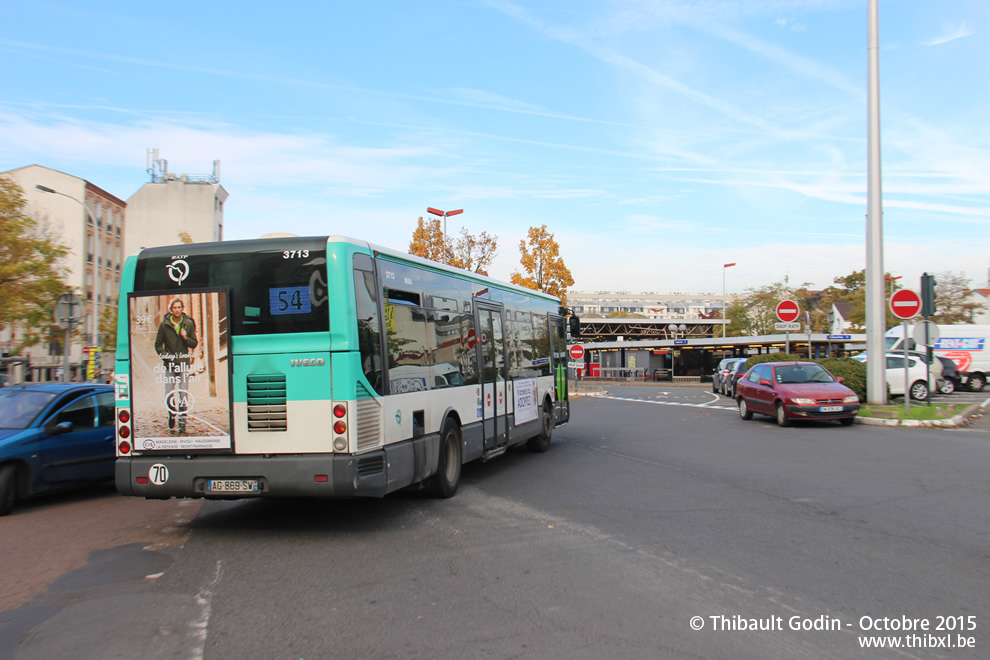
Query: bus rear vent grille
{"points": [[369, 423], [266, 407], [371, 465]]}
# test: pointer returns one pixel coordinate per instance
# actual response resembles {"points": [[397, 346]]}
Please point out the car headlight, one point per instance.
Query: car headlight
{"points": [[852, 398], [803, 402]]}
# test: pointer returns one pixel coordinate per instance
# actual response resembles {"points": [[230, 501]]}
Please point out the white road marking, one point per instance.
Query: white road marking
{"points": [[205, 601], [706, 406]]}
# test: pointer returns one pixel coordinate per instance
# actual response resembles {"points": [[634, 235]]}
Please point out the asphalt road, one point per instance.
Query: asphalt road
{"points": [[654, 506]]}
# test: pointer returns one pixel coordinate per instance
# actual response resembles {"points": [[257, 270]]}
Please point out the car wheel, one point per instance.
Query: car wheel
{"points": [[715, 388], [847, 421], [744, 411], [782, 419], [8, 489], [444, 483], [541, 442], [977, 383], [919, 390], [947, 387]]}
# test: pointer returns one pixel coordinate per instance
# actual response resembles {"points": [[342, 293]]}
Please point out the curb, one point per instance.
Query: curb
{"points": [[952, 422]]}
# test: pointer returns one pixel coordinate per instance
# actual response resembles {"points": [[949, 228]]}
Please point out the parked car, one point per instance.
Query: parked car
{"points": [[918, 385], [792, 391], [720, 371], [736, 371], [54, 436], [952, 381]]}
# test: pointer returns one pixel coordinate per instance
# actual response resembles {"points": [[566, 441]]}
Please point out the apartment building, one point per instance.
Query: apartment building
{"points": [[91, 223]]}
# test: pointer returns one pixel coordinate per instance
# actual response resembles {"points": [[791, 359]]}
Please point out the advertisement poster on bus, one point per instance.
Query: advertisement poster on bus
{"points": [[526, 408], [179, 376]]}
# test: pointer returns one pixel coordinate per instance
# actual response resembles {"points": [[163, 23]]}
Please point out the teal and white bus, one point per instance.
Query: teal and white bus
{"points": [[325, 366]]}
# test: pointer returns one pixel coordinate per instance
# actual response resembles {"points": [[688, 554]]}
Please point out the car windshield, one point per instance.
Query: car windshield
{"points": [[18, 407], [803, 373]]}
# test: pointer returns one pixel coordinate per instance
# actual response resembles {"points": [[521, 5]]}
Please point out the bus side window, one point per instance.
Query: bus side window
{"points": [[369, 327]]}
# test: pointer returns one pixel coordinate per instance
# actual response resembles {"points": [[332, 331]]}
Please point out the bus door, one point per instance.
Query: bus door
{"points": [[494, 382], [558, 349]]}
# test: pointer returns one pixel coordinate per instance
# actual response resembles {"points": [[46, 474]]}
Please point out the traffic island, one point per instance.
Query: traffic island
{"points": [[943, 416]]}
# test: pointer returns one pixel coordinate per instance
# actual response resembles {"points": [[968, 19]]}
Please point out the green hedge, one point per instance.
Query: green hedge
{"points": [[853, 372]]}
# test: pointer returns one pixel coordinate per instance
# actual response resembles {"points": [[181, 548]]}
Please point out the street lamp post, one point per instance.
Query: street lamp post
{"points": [[724, 266], [444, 215], [97, 279], [892, 279]]}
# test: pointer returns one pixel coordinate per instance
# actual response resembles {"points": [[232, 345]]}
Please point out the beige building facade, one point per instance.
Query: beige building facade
{"points": [[174, 209]]}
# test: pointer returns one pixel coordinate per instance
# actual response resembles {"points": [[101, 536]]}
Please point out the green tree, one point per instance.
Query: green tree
{"points": [[545, 270], [32, 269], [952, 302], [108, 327], [475, 253], [851, 289]]}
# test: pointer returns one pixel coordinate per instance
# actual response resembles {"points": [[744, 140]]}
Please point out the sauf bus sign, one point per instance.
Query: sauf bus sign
{"points": [[576, 353]]}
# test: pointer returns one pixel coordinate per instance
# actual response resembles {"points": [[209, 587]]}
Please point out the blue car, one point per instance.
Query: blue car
{"points": [[54, 436]]}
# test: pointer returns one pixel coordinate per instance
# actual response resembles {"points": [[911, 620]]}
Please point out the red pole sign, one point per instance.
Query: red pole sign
{"points": [[788, 311], [905, 304], [576, 352]]}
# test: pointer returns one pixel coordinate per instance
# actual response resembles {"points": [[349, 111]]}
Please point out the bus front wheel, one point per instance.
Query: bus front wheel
{"points": [[444, 483]]}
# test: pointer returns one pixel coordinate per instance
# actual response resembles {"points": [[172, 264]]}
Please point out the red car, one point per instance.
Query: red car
{"points": [[792, 391]]}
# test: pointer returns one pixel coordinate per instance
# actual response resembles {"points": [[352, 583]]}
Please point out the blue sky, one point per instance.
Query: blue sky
{"points": [[656, 139]]}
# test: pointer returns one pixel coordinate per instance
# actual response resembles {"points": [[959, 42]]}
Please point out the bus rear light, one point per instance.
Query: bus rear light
{"points": [[340, 443], [340, 411], [339, 427], [322, 478], [125, 432], [124, 416], [125, 447], [142, 480]]}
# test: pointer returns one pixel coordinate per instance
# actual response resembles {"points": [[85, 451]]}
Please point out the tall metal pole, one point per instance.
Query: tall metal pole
{"points": [[97, 280], [724, 266], [876, 318]]}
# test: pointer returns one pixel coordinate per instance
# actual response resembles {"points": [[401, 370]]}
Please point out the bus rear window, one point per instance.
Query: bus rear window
{"points": [[278, 286]]}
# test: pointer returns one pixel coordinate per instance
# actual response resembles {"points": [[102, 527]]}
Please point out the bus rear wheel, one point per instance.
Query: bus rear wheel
{"points": [[444, 483], [540, 443]]}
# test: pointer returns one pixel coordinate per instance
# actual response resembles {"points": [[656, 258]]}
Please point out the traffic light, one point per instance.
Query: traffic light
{"points": [[927, 295]]}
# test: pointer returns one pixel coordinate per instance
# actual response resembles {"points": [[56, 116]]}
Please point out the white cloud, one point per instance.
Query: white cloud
{"points": [[951, 33]]}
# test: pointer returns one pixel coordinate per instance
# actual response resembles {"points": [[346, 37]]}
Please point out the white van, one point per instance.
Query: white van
{"points": [[966, 345]]}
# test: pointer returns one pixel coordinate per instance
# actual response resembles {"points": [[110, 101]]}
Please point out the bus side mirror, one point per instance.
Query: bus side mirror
{"points": [[575, 326]]}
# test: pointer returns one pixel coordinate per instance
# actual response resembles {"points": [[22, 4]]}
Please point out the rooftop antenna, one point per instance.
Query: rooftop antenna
{"points": [[156, 166]]}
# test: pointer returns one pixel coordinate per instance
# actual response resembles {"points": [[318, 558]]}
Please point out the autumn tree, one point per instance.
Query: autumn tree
{"points": [[470, 252], [32, 272], [429, 242], [545, 270]]}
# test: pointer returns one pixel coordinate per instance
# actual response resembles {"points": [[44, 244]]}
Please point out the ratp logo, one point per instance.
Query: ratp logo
{"points": [[178, 270]]}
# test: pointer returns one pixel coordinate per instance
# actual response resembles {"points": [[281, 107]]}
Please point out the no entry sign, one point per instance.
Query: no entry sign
{"points": [[905, 304], [576, 352], [787, 311]]}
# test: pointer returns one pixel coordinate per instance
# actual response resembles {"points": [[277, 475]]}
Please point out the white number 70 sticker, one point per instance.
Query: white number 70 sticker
{"points": [[158, 474]]}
